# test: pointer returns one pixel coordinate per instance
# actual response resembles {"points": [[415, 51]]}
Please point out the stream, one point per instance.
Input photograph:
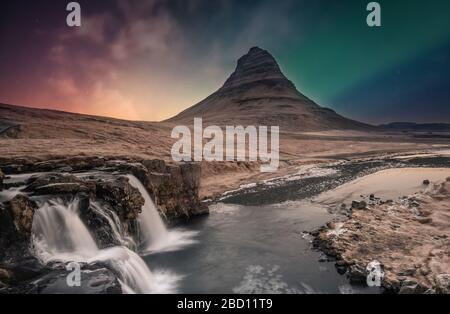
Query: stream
{"points": [[253, 241]]}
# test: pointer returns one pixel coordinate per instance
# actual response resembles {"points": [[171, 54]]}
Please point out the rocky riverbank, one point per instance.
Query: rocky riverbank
{"points": [[410, 238], [174, 189]]}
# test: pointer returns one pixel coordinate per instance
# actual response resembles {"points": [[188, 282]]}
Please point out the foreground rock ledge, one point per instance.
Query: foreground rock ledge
{"points": [[410, 238], [173, 187]]}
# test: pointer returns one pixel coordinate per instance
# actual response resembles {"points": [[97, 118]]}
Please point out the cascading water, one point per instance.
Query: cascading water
{"points": [[155, 236], [115, 223], [60, 235], [151, 225]]}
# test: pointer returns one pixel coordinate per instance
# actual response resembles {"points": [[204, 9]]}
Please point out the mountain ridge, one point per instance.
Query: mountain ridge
{"points": [[258, 93]]}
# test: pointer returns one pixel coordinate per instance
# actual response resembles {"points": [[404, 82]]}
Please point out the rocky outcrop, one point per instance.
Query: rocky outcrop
{"points": [[59, 183], [176, 190], [124, 198], [410, 238], [17, 264], [173, 187], [21, 209], [2, 177]]}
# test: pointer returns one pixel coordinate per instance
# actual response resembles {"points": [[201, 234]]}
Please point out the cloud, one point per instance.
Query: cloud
{"points": [[93, 63]]}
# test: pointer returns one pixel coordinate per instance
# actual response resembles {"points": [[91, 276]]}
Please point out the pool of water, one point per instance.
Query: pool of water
{"points": [[250, 249]]}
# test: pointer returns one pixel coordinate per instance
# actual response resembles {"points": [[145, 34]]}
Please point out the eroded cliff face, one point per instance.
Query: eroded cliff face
{"points": [[173, 187]]}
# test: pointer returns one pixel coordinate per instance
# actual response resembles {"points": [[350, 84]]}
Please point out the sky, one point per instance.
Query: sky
{"points": [[151, 59]]}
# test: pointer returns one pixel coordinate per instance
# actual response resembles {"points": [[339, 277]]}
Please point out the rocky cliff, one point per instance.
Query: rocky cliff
{"points": [[173, 187]]}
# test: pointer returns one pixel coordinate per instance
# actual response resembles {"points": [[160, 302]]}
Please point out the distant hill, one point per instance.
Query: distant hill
{"points": [[410, 126], [258, 93]]}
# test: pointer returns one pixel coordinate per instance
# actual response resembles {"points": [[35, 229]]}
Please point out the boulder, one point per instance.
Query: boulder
{"points": [[357, 274], [176, 190], [426, 182], [125, 200], [359, 205], [16, 259], [22, 209]]}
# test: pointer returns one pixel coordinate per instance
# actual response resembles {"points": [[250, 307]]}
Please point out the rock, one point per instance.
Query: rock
{"points": [[21, 209], [16, 218], [409, 289], [426, 182], [357, 274], [57, 183], [136, 169], [2, 177], [442, 283], [100, 227], [341, 268], [176, 190], [27, 268], [84, 203], [174, 187], [372, 197], [5, 276], [424, 220], [155, 165], [96, 281], [126, 200], [359, 205]]}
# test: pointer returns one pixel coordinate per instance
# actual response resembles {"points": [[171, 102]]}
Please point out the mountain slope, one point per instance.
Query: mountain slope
{"points": [[258, 93]]}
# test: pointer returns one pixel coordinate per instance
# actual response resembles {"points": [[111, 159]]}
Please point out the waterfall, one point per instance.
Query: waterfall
{"points": [[60, 235], [115, 223], [155, 236], [150, 222]]}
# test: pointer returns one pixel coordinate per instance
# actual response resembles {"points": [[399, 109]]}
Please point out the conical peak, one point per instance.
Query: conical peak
{"points": [[256, 65]]}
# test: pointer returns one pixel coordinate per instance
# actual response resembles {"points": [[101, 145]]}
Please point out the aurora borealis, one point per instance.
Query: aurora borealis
{"points": [[149, 60]]}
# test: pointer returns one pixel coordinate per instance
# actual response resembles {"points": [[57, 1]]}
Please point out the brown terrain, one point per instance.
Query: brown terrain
{"points": [[257, 93], [409, 237]]}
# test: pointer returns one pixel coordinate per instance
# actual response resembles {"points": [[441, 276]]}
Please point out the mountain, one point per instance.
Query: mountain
{"points": [[258, 93], [410, 126]]}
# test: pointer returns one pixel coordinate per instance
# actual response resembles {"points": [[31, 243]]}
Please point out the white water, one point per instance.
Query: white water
{"points": [[7, 195], [155, 236], [60, 235], [116, 225]]}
